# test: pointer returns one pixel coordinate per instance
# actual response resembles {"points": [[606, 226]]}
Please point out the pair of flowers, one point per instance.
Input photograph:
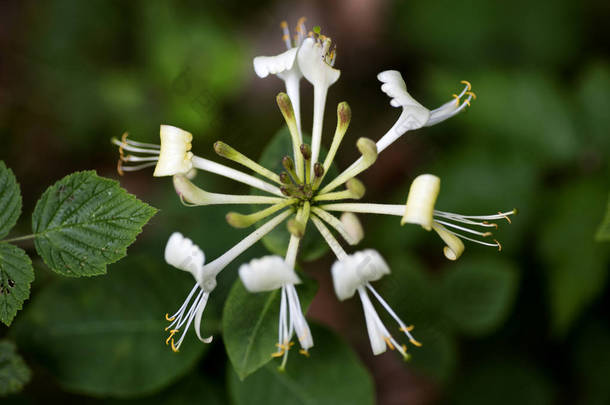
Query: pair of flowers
{"points": [[298, 195]]}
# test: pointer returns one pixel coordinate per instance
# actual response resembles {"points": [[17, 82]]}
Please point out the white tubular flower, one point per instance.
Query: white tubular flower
{"points": [[354, 273], [176, 156], [270, 273], [183, 254], [419, 209], [285, 67], [316, 61], [414, 115], [172, 157]]}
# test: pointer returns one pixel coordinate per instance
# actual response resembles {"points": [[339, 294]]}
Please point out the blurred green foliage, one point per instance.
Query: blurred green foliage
{"points": [[526, 325]]}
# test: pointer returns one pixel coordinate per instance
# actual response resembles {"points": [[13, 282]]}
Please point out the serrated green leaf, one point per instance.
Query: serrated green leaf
{"points": [[106, 336], [10, 200], [14, 373], [84, 222], [249, 324], [603, 232], [331, 375], [312, 245], [16, 274], [478, 294]]}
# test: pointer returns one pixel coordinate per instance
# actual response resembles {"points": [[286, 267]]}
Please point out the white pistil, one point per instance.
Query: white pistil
{"points": [[335, 223], [222, 170], [196, 196]]}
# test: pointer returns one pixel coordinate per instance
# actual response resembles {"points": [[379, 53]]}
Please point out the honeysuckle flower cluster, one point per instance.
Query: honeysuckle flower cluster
{"points": [[301, 194]]}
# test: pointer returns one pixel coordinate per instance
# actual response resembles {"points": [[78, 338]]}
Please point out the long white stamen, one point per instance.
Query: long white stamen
{"points": [[330, 239], [215, 266], [222, 170], [137, 167], [384, 209], [480, 242], [461, 228], [293, 90], [372, 317], [455, 218], [126, 146], [500, 215], [401, 324], [132, 158]]}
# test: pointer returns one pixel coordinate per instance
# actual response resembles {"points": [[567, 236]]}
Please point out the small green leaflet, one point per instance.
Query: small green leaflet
{"points": [[603, 232], [14, 373], [10, 200], [84, 222], [16, 274]]}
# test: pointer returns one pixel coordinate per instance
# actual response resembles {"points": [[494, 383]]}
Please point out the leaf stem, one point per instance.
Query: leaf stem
{"points": [[20, 238]]}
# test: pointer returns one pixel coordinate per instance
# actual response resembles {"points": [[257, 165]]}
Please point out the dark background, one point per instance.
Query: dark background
{"points": [[74, 74]]}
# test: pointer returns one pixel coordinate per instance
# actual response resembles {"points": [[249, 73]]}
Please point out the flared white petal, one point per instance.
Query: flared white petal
{"points": [[267, 274], [420, 202], [395, 87], [312, 63], [356, 270], [183, 254], [284, 62], [175, 156]]}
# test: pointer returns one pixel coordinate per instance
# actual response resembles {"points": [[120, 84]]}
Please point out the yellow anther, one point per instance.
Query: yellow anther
{"points": [[467, 102], [457, 99], [499, 245], [119, 168], [171, 335], [304, 352], [285, 37], [491, 223], [174, 348], [404, 348], [505, 217], [470, 93], [278, 354], [486, 234], [284, 25], [415, 342], [467, 83], [169, 318], [301, 21], [407, 328], [389, 343]]}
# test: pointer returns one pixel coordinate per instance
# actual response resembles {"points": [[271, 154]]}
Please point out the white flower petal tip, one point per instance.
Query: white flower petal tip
{"points": [[265, 65], [419, 208], [175, 156], [267, 274], [395, 87], [316, 63], [357, 270], [183, 254]]}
